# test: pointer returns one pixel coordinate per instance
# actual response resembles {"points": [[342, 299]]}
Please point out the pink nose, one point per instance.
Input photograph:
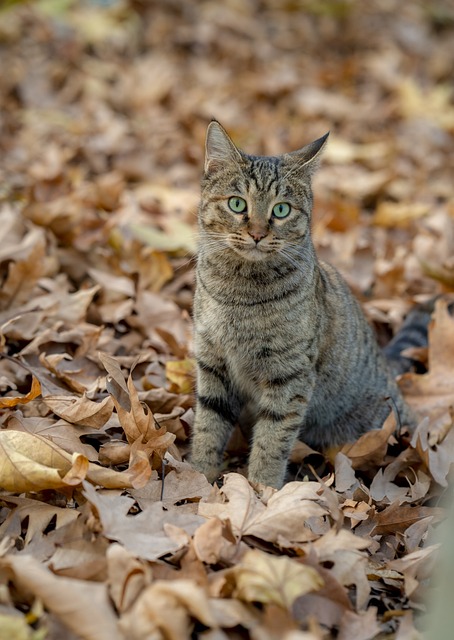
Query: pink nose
{"points": [[257, 235]]}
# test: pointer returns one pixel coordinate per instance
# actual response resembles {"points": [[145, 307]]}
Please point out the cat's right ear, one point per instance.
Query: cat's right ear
{"points": [[219, 149]]}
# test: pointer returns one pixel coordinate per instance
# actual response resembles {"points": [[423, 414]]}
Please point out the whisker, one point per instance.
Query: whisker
{"points": [[291, 259]]}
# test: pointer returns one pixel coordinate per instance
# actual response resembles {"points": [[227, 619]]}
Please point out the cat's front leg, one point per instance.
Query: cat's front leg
{"points": [[217, 411], [280, 416]]}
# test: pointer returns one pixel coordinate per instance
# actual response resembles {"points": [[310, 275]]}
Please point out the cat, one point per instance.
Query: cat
{"points": [[279, 339]]}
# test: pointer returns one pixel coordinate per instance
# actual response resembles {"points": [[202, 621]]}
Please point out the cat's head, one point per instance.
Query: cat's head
{"points": [[255, 205]]}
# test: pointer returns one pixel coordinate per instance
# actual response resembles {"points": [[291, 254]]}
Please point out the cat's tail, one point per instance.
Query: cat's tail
{"points": [[412, 333]]}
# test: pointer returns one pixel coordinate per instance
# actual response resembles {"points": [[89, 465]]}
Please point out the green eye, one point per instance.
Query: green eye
{"points": [[237, 204], [281, 210]]}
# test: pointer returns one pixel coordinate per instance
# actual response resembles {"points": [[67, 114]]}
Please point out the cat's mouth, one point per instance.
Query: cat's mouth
{"points": [[253, 252]]}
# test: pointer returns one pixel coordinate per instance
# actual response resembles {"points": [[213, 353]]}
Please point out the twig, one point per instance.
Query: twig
{"points": [[163, 467]]}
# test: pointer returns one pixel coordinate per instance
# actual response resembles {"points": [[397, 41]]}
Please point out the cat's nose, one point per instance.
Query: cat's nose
{"points": [[257, 235]]}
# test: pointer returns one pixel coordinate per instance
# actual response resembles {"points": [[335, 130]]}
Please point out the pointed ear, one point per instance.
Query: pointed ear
{"points": [[309, 156], [219, 149]]}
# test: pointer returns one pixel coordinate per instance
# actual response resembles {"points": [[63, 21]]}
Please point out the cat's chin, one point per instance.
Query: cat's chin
{"points": [[253, 254]]}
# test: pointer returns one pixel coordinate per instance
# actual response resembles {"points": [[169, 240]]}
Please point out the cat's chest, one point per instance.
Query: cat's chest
{"points": [[244, 336]]}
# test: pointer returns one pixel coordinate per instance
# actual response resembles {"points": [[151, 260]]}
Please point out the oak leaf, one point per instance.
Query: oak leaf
{"points": [[284, 519], [143, 534], [39, 515]]}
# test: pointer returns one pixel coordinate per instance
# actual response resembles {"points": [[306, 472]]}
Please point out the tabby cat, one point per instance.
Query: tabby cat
{"points": [[279, 338]]}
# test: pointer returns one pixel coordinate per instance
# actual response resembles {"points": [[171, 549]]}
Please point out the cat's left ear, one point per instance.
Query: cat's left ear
{"points": [[309, 156], [219, 149]]}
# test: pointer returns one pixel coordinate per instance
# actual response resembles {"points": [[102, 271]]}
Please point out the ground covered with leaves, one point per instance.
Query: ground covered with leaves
{"points": [[105, 531]]}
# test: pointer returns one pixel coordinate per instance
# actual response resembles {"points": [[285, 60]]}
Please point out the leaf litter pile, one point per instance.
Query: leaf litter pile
{"points": [[105, 531]]}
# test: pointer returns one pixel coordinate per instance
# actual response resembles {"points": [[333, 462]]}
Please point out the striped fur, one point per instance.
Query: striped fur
{"points": [[278, 336]]}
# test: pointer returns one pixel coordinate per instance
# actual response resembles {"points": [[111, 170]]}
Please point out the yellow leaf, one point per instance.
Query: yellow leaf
{"points": [[261, 577], [181, 374], [13, 401], [30, 463]]}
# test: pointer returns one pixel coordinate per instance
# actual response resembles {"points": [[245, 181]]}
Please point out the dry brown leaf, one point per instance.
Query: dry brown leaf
{"points": [[79, 604], [370, 449], [433, 393], [81, 410], [181, 484], [345, 478], [78, 373], [116, 383], [287, 517], [128, 577], [342, 549], [138, 423], [74, 552], [398, 517], [356, 511], [13, 401], [214, 542], [416, 567], [164, 610], [60, 432], [143, 534], [181, 375], [264, 578], [31, 463], [327, 605], [39, 515], [434, 442], [363, 626], [27, 267]]}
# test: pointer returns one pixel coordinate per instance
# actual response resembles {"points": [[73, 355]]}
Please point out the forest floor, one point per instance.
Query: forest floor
{"points": [[105, 532]]}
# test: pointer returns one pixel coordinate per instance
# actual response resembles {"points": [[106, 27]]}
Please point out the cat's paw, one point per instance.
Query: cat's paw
{"points": [[210, 472]]}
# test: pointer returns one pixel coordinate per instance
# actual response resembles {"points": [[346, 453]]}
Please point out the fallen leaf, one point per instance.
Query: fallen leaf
{"points": [[143, 534], [286, 518], [432, 393], [416, 567], [128, 577], [264, 578], [370, 448], [181, 375], [149, 617], [398, 517], [13, 401], [362, 626], [78, 604], [39, 515], [31, 463], [81, 410]]}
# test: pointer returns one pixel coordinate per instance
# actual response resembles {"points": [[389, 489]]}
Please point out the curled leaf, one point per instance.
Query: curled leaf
{"points": [[13, 401]]}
